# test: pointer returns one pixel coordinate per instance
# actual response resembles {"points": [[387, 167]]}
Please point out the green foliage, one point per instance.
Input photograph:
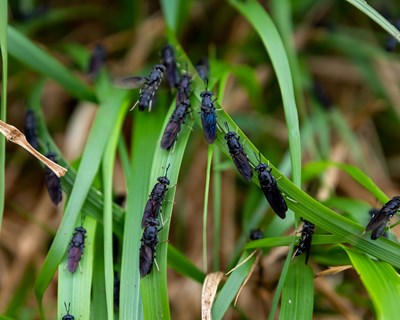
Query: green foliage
{"points": [[90, 188]]}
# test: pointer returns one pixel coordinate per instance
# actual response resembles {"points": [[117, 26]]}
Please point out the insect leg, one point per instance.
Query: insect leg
{"points": [[134, 106]]}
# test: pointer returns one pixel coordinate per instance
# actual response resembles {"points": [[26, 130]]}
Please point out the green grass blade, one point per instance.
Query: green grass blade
{"points": [[281, 283], [75, 288], [154, 286], [100, 132], [27, 52], [205, 209], [298, 292], [3, 106], [286, 241], [231, 287], [94, 202], [181, 264], [312, 169], [99, 304], [108, 170], [138, 181], [363, 6], [381, 281], [265, 28], [217, 185], [175, 13]]}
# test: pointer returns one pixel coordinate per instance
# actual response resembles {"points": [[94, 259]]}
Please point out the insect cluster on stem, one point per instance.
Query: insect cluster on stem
{"points": [[151, 224]]}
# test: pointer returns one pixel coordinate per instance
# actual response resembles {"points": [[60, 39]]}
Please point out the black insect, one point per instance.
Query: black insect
{"points": [[238, 155], [76, 248], [174, 125], [391, 42], [155, 200], [150, 87], [148, 247], [270, 188], [208, 116], [96, 60], [169, 62], [305, 240], [184, 89], [203, 68], [52, 182], [147, 255], [381, 218], [30, 129], [68, 316], [256, 234], [117, 285]]}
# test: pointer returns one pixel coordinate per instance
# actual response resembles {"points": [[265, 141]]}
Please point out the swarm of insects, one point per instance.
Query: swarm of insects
{"points": [[238, 155], [306, 239], [208, 116], [381, 218], [270, 188], [52, 182], [76, 248]]}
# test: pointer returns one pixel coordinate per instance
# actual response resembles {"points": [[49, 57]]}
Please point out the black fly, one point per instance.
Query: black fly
{"points": [[52, 182], [68, 316], [380, 219], [148, 247], [184, 90], [238, 155], [270, 188], [256, 234], [156, 198], [150, 87], [203, 68], [96, 61], [305, 240], [208, 116], [174, 125], [169, 62], [76, 248], [30, 129]]}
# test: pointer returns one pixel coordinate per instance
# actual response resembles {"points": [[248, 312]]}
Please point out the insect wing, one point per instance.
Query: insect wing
{"points": [[146, 260], [377, 220], [170, 134], [150, 211], [307, 245], [74, 256], [209, 122], [276, 201], [376, 233], [131, 82], [53, 187], [243, 165]]}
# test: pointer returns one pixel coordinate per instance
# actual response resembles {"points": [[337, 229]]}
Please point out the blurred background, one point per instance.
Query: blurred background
{"points": [[346, 76]]}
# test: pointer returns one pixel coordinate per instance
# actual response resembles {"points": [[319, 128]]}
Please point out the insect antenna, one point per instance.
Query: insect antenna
{"points": [[226, 126], [67, 308]]}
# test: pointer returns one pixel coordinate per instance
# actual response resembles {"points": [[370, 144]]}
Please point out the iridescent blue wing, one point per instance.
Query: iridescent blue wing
{"points": [[209, 122]]}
